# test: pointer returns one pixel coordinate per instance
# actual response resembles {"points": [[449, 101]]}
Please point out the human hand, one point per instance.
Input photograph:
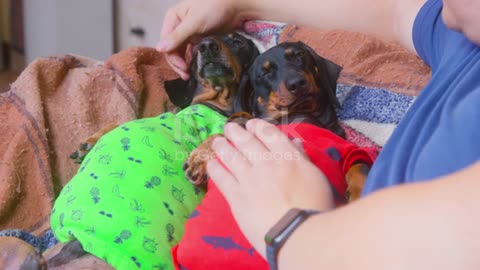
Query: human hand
{"points": [[191, 19], [264, 176]]}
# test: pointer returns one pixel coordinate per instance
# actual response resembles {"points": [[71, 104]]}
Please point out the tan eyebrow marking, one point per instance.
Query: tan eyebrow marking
{"points": [[288, 51], [260, 100], [267, 65]]}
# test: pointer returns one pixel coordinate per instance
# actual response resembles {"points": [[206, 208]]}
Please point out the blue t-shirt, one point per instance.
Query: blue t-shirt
{"points": [[440, 134]]}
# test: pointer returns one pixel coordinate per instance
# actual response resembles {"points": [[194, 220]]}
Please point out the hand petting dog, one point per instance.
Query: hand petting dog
{"points": [[254, 186]]}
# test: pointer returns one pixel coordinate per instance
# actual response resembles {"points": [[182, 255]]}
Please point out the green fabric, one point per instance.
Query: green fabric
{"points": [[130, 198]]}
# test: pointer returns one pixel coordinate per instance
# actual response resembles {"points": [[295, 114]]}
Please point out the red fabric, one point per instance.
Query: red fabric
{"points": [[212, 238]]}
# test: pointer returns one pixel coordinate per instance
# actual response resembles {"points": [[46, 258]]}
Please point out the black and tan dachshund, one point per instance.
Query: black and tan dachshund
{"points": [[217, 71], [289, 83]]}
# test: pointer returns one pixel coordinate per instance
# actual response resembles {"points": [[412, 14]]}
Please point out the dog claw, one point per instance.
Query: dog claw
{"points": [[84, 147], [74, 155], [185, 166], [79, 155]]}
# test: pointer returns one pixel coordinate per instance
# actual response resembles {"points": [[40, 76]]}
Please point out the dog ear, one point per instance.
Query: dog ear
{"points": [[253, 54], [327, 74], [242, 101], [180, 92]]}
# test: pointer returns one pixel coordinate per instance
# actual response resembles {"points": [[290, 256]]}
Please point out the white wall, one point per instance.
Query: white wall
{"points": [[56, 27], [147, 14]]}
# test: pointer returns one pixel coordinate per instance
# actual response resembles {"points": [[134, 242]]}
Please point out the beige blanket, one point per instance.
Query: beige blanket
{"points": [[55, 104]]}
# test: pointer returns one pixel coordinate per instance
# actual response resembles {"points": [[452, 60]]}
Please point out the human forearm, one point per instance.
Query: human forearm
{"points": [[388, 19], [431, 225], [327, 14]]}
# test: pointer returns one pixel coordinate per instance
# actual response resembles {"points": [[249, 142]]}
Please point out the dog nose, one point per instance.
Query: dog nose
{"points": [[295, 83], [208, 46]]}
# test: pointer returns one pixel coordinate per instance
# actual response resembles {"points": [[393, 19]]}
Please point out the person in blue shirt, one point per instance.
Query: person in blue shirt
{"points": [[421, 208]]}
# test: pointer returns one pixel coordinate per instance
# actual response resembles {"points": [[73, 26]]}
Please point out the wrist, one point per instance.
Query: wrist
{"points": [[279, 234], [294, 246]]}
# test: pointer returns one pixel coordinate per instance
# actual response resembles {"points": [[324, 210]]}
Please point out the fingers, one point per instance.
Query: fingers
{"points": [[225, 181], [273, 139], [245, 142], [230, 157], [177, 28], [186, 29], [171, 23], [173, 18]]}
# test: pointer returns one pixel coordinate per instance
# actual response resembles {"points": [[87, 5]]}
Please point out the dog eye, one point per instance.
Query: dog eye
{"points": [[300, 57], [299, 54], [237, 43], [265, 72]]}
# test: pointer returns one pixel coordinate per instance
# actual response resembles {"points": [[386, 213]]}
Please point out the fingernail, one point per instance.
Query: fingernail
{"points": [[163, 45]]}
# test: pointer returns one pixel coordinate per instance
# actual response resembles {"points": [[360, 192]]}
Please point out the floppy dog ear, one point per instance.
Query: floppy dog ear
{"points": [[242, 101], [327, 74], [180, 92], [333, 74], [253, 55]]}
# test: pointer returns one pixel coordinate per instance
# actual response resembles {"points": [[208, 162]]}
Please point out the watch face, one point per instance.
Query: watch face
{"points": [[282, 224]]}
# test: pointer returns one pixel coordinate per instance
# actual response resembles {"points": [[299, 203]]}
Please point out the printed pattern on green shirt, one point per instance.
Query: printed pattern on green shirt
{"points": [[130, 198]]}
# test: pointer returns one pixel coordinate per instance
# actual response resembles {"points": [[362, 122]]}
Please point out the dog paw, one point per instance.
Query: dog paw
{"points": [[240, 118], [195, 167], [79, 155], [195, 172], [355, 178], [89, 143]]}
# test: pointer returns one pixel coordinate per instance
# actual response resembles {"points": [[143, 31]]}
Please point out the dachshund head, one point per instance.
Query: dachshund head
{"points": [[217, 71], [291, 80]]}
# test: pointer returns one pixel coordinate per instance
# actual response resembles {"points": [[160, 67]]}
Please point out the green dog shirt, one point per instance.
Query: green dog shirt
{"points": [[130, 199]]}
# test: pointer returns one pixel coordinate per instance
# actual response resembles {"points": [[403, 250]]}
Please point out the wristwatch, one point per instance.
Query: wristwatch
{"points": [[279, 233]]}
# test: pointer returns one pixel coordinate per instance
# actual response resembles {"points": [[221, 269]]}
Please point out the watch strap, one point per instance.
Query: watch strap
{"points": [[281, 231]]}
